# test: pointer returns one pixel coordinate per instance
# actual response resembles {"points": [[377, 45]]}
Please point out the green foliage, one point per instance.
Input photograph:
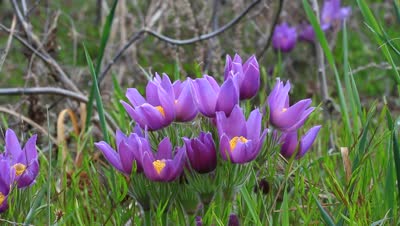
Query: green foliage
{"points": [[311, 191]]}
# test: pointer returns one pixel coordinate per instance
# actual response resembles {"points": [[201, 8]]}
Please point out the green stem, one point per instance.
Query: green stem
{"points": [[164, 218], [147, 218]]}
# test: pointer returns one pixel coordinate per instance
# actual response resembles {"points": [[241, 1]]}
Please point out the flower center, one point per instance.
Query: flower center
{"points": [[2, 198], [19, 169], [176, 101], [235, 140], [161, 110], [159, 165], [284, 109]]}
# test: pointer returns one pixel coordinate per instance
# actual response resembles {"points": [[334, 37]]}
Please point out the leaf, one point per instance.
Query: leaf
{"points": [[104, 39], [97, 95], [325, 216]]}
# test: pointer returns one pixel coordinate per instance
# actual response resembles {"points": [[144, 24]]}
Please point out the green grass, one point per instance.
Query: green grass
{"points": [[311, 191]]}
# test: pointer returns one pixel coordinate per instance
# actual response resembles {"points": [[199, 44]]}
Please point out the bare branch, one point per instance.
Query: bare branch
{"points": [[29, 121], [271, 32], [132, 40], [205, 36], [172, 41], [61, 75], [44, 90]]}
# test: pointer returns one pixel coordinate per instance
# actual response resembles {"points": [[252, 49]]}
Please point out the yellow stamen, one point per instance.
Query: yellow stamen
{"points": [[159, 165], [235, 140], [284, 109], [19, 169], [161, 110], [2, 198]]}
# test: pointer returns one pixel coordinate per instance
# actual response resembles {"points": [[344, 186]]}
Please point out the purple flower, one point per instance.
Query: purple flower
{"points": [[129, 149], [248, 75], [162, 166], [157, 110], [290, 144], [7, 176], [282, 116], [306, 33], [332, 13], [210, 97], [24, 161], [201, 152], [284, 37], [185, 108], [240, 140], [233, 220], [199, 221]]}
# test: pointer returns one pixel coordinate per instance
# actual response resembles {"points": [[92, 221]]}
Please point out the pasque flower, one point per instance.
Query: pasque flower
{"points": [[162, 166], [282, 116], [240, 140], [306, 33], [157, 110], [7, 176], [284, 37], [210, 97], [332, 13], [248, 75], [24, 161], [185, 108], [291, 145], [233, 220], [129, 150], [201, 152]]}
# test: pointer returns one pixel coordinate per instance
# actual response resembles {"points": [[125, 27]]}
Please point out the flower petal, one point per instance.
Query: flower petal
{"points": [[135, 97], [110, 154], [13, 147], [307, 140], [164, 149], [204, 96], [234, 125], [253, 125], [228, 97]]}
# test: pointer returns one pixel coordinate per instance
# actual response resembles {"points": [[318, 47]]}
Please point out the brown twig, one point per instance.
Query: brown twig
{"points": [[172, 41], [29, 121], [44, 90], [132, 40], [61, 75], [8, 45], [321, 60], [54, 91], [205, 36], [271, 32]]}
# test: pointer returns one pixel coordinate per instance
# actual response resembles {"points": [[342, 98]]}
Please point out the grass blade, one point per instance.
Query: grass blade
{"points": [[329, 57], [104, 39], [396, 155], [347, 81], [97, 95], [325, 216], [251, 205], [378, 31], [285, 209]]}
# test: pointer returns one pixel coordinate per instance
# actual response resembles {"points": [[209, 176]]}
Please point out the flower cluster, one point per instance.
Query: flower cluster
{"points": [[167, 162], [18, 166], [239, 139], [285, 37]]}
